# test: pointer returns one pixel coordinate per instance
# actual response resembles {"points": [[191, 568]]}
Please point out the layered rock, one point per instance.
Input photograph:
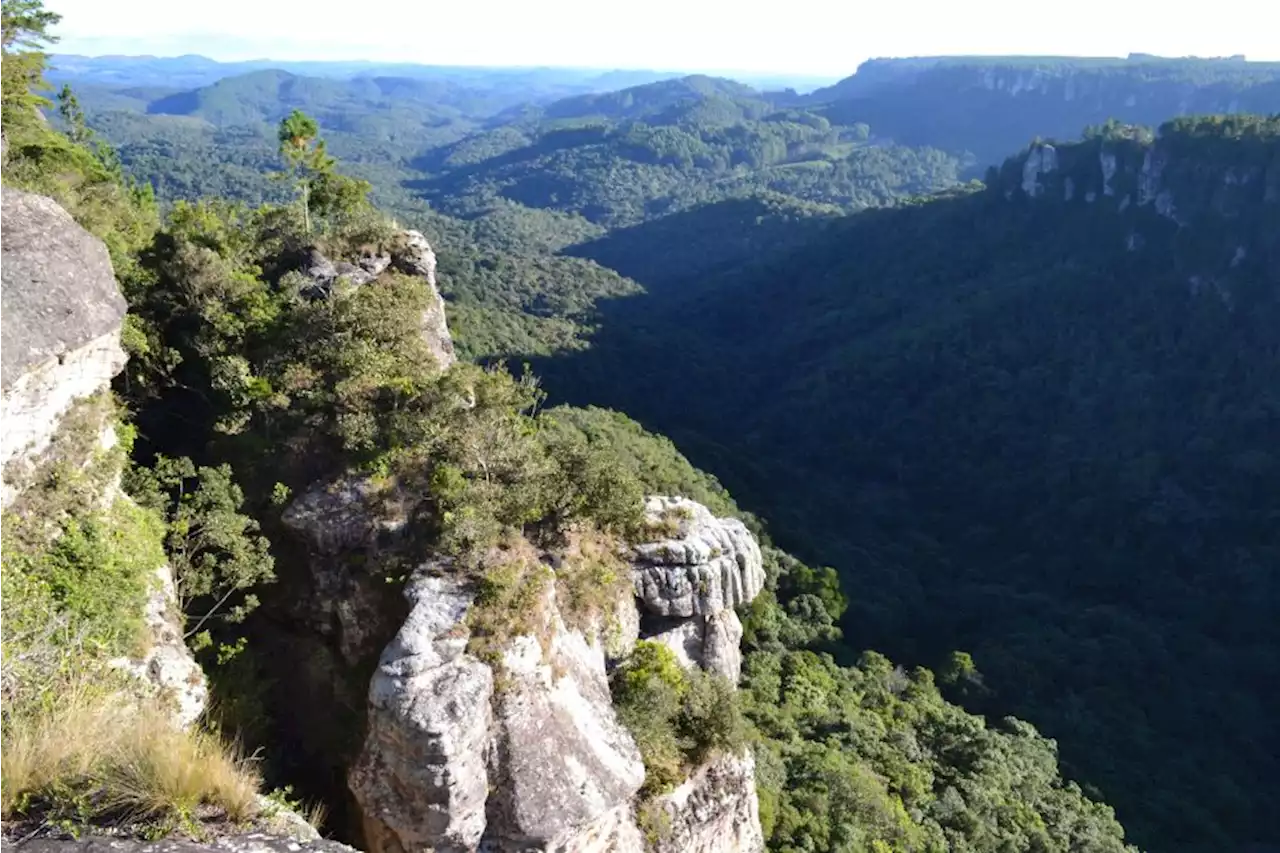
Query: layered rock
{"points": [[689, 581], [61, 318], [700, 565]]}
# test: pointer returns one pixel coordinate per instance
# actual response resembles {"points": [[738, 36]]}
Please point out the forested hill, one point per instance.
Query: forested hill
{"points": [[990, 106], [1035, 422], [634, 155]]}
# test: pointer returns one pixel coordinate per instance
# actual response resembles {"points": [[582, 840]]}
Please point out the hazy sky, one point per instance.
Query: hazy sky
{"points": [[828, 37]]}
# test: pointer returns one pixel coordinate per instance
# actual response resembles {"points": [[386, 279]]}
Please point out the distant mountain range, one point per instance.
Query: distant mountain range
{"points": [[549, 82]]}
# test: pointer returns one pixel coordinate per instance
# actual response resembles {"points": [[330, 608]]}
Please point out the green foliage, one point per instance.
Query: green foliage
{"points": [[214, 549], [898, 768], [1004, 332], [510, 602], [24, 30], [79, 562], [678, 718]]}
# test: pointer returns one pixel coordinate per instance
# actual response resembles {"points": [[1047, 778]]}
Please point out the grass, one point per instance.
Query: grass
{"points": [[591, 580], [92, 758]]}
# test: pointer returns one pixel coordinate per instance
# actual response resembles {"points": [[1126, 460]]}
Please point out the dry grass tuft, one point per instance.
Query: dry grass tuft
{"points": [[91, 757]]}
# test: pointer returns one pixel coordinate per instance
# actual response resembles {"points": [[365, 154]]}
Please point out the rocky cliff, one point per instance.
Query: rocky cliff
{"points": [[62, 315], [454, 726], [1217, 192], [410, 254], [522, 750], [992, 106], [62, 318]]}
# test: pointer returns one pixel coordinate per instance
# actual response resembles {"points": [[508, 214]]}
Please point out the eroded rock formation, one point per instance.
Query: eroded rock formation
{"points": [[688, 582], [410, 254]]}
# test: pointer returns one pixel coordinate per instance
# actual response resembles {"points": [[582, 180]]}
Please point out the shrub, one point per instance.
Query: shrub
{"points": [[590, 580], [678, 718]]}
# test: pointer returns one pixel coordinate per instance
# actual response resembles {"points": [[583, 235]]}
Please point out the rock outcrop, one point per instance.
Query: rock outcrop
{"points": [[410, 254], [422, 778], [450, 764], [1041, 160], [167, 664], [714, 811], [700, 565], [61, 318], [566, 769], [688, 582], [519, 750]]}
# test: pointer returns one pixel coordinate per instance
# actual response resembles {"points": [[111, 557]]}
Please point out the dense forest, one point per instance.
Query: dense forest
{"points": [[1028, 418]]}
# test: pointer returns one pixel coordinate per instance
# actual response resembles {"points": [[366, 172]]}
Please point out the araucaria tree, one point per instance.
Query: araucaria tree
{"points": [[303, 153]]}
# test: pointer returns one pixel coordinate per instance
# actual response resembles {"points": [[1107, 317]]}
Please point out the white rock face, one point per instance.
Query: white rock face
{"points": [[1107, 161], [1042, 160], [452, 764], [422, 779], [61, 319], [32, 406], [688, 584], [168, 665], [414, 256], [709, 564], [530, 756], [566, 769], [711, 642], [714, 811]]}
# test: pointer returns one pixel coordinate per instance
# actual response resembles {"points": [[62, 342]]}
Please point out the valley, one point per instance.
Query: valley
{"points": [[982, 348]]}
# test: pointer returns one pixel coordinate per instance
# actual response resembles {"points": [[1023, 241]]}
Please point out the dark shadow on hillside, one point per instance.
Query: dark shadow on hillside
{"points": [[696, 242]]}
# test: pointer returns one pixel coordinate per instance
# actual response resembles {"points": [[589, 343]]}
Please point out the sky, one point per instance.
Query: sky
{"points": [[803, 37]]}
